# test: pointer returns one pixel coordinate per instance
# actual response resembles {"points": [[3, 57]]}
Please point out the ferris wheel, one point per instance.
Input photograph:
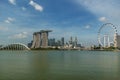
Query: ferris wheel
{"points": [[106, 34]]}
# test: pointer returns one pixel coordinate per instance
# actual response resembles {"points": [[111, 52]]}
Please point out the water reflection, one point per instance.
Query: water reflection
{"points": [[40, 64], [59, 65]]}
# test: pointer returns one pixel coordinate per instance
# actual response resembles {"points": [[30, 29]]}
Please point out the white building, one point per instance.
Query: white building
{"points": [[116, 40]]}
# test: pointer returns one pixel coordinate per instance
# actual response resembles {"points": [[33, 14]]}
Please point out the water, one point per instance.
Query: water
{"points": [[59, 65]]}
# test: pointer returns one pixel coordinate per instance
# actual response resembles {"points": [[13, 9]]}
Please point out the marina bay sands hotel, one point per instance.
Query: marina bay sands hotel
{"points": [[40, 39]]}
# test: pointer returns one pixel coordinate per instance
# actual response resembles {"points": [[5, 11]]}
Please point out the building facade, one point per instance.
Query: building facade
{"points": [[40, 39], [62, 41], [116, 40], [51, 42]]}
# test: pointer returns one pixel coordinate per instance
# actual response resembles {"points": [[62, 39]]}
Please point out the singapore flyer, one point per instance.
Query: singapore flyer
{"points": [[106, 35]]}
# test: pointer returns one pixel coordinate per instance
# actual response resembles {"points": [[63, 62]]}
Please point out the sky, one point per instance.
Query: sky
{"points": [[77, 18]]}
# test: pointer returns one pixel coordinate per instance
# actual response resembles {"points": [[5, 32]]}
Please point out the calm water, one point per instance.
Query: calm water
{"points": [[59, 65]]}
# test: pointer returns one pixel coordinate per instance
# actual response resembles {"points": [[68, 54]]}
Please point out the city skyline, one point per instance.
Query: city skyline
{"points": [[81, 18]]}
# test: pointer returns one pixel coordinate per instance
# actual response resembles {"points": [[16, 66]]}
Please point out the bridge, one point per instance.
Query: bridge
{"points": [[15, 46]]}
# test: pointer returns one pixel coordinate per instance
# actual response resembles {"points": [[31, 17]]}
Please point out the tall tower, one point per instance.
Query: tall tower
{"points": [[62, 41], [44, 38], [40, 39], [75, 42], [116, 40], [71, 40], [36, 40]]}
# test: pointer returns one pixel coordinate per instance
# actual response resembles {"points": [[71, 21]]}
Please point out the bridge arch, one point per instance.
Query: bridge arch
{"points": [[15, 46]]}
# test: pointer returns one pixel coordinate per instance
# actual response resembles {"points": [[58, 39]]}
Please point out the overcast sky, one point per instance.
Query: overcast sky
{"points": [[77, 18]]}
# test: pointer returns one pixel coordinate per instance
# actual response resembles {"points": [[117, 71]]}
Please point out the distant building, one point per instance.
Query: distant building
{"points": [[62, 41], [111, 44], [79, 45], [58, 43], [40, 39], [30, 44], [75, 42], [116, 40], [71, 40], [51, 42]]}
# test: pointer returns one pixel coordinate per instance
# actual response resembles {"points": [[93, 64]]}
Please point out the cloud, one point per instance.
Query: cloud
{"points": [[23, 8], [103, 19], [3, 28], [9, 20], [12, 2], [87, 27], [107, 8], [36, 6], [19, 36]]}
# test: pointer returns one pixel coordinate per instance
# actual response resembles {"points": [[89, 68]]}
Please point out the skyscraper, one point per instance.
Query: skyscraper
{"points": [[116, 40], [71, 40], [62, 41], [40, 39], [51, 42], [75, 42]]}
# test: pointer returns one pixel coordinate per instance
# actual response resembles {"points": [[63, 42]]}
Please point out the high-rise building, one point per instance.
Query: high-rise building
{"points": [[62, 41], [36, 40], [75, 42], [30, 44], [58, 43], [51, 42], [71, 40], [40, 39], [116, 40]]}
